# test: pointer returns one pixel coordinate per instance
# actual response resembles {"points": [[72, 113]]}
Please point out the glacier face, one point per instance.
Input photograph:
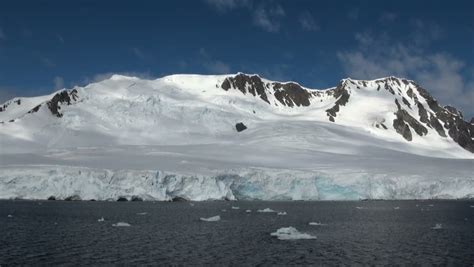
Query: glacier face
{"points": [[176, 137], [42, 182]]}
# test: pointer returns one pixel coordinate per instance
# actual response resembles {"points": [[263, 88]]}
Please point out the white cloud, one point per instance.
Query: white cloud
{"points": [[225, 5], [266, 15], [58, 83], [307, 22], [439, 73], [268, 18]]}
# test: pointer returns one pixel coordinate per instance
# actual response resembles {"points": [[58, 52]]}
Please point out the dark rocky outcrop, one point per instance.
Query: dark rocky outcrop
{"points": [[243, 82], [404, 116], [179, 199], [63, 97], [51, 198], [122, 199], [136, 198], [402, 128], [290, 94], [342, 96], [73, 198], [459, 130], [35, 109], [240, 127]]}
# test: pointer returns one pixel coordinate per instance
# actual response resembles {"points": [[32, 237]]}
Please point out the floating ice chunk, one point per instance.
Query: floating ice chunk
{"points": [[472, 206], [437, 226], [266, 210], [281, 213], [360, 208], [224, 210], [316, 224], [101, 219], [191, 204], [396, 208], [211, 219], [121, 224], [10, 216], [431, 205], [235, 208], [142, 213], [290, 233], [248, 211]]}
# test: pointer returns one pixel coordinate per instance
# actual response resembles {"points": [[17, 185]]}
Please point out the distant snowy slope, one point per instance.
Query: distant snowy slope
{"points": [[292, 143]]}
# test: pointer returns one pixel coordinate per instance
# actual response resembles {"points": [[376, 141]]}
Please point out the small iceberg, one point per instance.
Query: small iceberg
{"points": [[235, 208], [101, 219], [437, 226], [266, 210], [142, 213], [290, 233], [281, 213], [472, 206], [211, 219], [360, 208], [10, 216], [316, 224], [224, 210], [121, 224], [396, 208], [248, 211]]}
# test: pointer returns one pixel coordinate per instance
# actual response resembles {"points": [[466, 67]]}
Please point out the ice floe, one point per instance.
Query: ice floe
{"points": [[101, 219], [266, 210], [142, 213], [281, 213], [211, 219], [121, 224], [10, 216], [316, 224], [290, 233], [248, 211], [235, 208], [437, 226]]}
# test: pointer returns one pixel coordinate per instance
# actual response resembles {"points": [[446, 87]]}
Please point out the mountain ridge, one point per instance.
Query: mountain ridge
{"points": [[413, 110]]}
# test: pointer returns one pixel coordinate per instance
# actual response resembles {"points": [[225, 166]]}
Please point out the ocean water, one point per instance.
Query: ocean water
{"points": [[357, 232]]}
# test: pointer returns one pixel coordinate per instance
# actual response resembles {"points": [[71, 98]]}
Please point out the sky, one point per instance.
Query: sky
{"points": [[50, 45]]}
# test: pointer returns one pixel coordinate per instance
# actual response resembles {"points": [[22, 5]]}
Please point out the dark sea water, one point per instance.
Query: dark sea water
{"points": [[68, 233]]}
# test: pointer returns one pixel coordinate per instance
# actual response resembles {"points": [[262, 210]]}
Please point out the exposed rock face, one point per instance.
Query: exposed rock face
{"points": [[404, 116], [73, 198], [63, 97], [179, 199], [290, 94], [122, 199], [342, 96], [137, 198], [459, 130], [240, 127], [246, 84]]}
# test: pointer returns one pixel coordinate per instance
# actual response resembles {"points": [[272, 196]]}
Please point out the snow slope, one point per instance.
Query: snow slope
{"points": [[176, 137]]}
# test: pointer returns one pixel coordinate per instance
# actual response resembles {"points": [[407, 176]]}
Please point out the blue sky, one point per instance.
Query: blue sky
{"points": [[47, 45]]}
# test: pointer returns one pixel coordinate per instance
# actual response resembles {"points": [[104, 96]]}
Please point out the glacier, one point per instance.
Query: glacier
{"points": [[175, 137]]}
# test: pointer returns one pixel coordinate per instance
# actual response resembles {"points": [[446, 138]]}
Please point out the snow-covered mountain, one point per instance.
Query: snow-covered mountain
{"points": [[237, 137]]}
